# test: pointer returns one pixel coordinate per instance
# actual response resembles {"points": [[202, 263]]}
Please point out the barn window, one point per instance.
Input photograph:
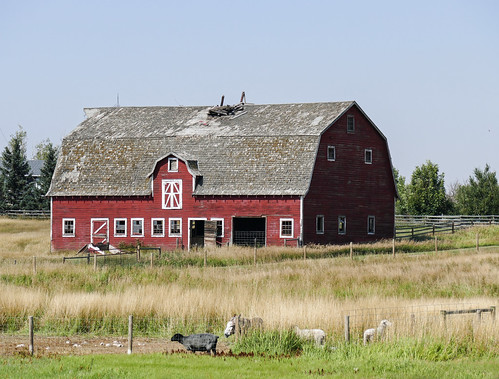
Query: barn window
{"points": [[286, 228], [368, 156], [350, 124], [172, 194], [158, 227], [175, 227], [220, 226], [137, 227], [68, 227], [319, 224], [172, 164], [371, 225], [120, 227], [342, 225], [331, 153]]}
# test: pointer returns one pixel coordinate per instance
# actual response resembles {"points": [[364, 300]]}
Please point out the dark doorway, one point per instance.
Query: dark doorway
{"points": [[248, 230], [196, 230]]}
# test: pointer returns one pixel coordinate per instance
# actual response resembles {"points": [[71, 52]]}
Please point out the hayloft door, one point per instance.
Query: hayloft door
{"points": [[99, 230]]}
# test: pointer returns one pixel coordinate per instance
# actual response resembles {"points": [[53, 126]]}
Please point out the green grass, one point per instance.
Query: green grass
{"points": [[342, 363]]}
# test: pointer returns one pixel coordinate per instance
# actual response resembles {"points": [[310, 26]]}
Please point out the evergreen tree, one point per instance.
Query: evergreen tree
{"points": [[50, 159], [16, 177], [480, 196], [427, 191]]}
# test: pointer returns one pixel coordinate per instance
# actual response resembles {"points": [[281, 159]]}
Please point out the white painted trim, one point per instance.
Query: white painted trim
{"points": [[74, 227], [152, 227], [189, 229], [131, 227], [92, 220], [170, 234], [281, 220], [223, 224], [164, 193], [126, 227]]}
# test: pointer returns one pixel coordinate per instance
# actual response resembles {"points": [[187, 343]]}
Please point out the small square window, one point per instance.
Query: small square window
{"points": [[175, 227], [331, 153], [120, 227], [172, 164], [350, 124], [68, 227], [371, 224], [368, 156], [158, 227], [286, 228], [319, 224], [137, 227], [342, 225]]}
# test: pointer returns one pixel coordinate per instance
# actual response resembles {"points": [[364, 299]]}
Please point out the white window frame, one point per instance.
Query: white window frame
{"points": [[64, 234], [132, 234], [281, 221], [342, 219], [374, 225], [352, 129], [170, 164], [333, 149], [317, 230], [168, 201], [126, 226], [223, 225], [370, 153], [162, 234], [170, 234]]}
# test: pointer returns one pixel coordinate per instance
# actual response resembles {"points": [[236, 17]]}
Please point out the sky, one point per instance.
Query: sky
{"points": [[425, 72]]}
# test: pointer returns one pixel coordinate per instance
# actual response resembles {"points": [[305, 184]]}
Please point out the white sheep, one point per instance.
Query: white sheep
{"points": [[378, 332], [317, 335]]}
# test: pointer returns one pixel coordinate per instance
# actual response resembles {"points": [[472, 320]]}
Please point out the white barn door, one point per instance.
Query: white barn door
{"points": [[99, 230]]}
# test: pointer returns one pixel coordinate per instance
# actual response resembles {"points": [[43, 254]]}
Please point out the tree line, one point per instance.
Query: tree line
{"points": [[425, 194], [18, 188]]}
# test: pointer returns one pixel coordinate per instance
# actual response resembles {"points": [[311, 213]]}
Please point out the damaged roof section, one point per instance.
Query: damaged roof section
{"points": [[269, 151]]}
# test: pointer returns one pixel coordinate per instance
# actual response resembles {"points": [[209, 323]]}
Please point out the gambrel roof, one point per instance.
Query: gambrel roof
{"points": [[262, 150]]}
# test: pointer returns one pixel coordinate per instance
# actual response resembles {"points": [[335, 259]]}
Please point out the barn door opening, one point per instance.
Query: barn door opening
{"points": [[247, 230], [99, 230], [196, 233]]}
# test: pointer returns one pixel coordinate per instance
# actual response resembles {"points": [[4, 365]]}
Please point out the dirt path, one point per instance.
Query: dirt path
{"points": [[47, 346]]}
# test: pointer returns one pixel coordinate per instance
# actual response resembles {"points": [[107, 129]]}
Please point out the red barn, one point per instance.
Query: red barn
{"points": [[184, 176]]}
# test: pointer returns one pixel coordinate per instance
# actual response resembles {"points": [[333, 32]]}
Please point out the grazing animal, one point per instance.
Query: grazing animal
{"points": [[244, 324], [378, 332], [317, 335], [198, 342]]}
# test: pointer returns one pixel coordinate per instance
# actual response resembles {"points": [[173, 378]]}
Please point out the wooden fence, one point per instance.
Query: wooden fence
{"points": [[408, 226]]}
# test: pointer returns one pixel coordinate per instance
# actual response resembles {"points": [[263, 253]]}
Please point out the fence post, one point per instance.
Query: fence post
{"points": [[31, 334], [254, 254], [88, 258], [351, 250], [436, 245], [413, 323], [452, 227], [477, 242], [304, 253], [95, 261], [493, 312], [130, 334], [444, 315], [34, 265], [152, 258], [205, 257], [347, 328], [238, 329], [393, 247]]}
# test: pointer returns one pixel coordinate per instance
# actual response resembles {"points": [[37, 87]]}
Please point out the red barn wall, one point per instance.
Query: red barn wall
{"points": [[349, 187], [83, 209]]}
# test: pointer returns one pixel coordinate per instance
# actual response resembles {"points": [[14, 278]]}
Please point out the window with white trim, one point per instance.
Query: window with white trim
{"points": [[172, 194], [286, 227], [172, 165], [368, 156], [68, 227], [220, 226], [137, 227], [120, 227], [319, 224], [331, 153], [157, 227], [175, 229], [342, 225], [371, 225], [350, 124]]}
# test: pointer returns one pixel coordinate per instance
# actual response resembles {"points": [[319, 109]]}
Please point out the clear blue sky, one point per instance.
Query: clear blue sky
{"points": [[426, 72]]}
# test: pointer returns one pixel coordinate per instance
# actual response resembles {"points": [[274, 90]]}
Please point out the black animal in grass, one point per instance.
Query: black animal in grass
{"points": [[198, 342]]}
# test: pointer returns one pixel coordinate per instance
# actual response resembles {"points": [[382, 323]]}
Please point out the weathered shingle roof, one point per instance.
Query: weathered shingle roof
{"points": [[264, 150]]}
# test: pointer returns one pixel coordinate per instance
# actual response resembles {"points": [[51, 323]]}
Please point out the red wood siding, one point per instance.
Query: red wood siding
{"points": [[349, 187], [83, 209]]}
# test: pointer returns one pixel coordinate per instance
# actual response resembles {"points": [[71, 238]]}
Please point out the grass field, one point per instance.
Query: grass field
{"points": [[178, 294]]}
